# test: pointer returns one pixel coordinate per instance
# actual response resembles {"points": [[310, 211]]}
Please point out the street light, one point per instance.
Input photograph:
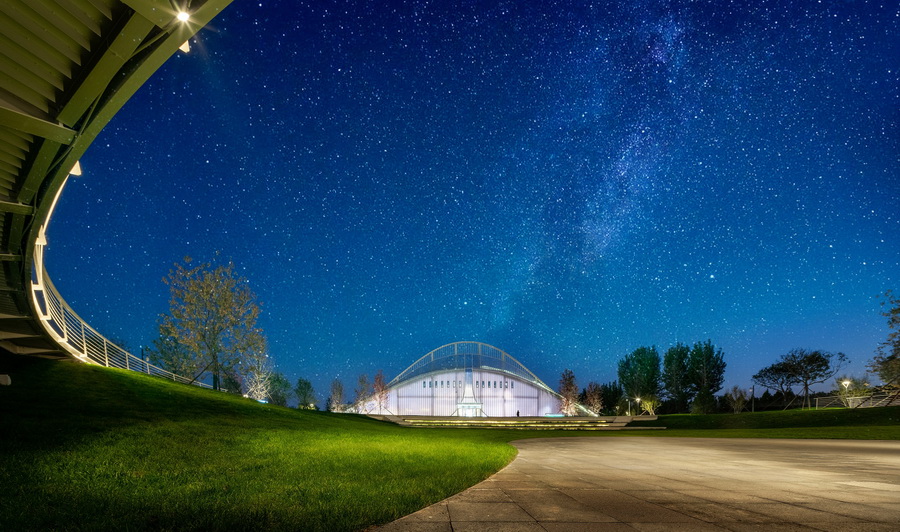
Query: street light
{"points": [[638, 409], [846, 384]]}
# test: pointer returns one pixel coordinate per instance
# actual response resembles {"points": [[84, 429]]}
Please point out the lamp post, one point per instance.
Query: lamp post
{"points": [[846, 384], [638, 408]]}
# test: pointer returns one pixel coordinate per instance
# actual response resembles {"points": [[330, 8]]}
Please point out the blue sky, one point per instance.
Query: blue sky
{"points": [[564, 182]]}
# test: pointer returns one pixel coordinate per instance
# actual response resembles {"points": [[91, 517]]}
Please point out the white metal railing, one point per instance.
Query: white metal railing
{"points": [[77, 337]]}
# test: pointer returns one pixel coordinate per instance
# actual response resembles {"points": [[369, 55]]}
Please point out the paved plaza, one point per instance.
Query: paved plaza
{"points": [[690, 484]]}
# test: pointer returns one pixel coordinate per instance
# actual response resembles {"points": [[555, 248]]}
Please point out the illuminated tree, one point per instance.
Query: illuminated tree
{"points": [[886, 363], [649, 404], [211, 321], [569, 392], [593, 398], [379, 389], [848, 388], [306, 396], [256, 374]]}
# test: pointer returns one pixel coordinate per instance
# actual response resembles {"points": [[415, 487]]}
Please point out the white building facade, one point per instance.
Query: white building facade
{"points": [[467, 379]]}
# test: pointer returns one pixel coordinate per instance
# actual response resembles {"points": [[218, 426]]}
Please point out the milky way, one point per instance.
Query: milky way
{"points": [[565, 182]]}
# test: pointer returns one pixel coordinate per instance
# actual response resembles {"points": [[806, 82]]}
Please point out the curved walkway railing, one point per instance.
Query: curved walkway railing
{"points": [[77, 337]]}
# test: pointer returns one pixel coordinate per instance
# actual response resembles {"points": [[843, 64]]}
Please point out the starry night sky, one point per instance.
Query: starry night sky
{"points": [[564, 182]]}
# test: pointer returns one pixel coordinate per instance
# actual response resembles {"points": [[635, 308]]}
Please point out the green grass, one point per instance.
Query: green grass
{"points": [[92, 448], [843, 423], [84, 447]]}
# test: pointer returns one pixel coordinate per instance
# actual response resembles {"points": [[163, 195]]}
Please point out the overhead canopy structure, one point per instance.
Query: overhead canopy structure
{"points": [[66, 67]]}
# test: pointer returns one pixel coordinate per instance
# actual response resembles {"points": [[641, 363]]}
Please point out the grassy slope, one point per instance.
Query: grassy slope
{"points": [[88, 447]]}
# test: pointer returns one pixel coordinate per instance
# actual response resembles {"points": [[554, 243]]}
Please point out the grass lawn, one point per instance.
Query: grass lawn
{"points": [[83, 447]]}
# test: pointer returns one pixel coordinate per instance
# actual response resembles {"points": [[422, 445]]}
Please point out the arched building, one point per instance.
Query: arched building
{"points": [[467, 379]]}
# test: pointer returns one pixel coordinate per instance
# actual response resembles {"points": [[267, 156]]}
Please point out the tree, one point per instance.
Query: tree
{"points": [[279, 389], [593, 398], [612, 394], [168, 353], [886, 363], [849, 388], [778, 376], [639, 373], [363, 391], [211, 321], [380, 392], [336, 398], [306, 396], [676, 376], [813, 367], [255, 376], [706, 367], [568, 391], [649, 404], [737, 398]]}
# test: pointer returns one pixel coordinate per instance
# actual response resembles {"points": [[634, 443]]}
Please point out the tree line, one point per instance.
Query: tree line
{"points": [[686, 378]]}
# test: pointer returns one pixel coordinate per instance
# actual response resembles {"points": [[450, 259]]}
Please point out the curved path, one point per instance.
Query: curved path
{"points": [[696, 484]]}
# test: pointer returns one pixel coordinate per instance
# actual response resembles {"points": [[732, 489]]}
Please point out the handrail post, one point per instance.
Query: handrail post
{"points": [[84, 350]]}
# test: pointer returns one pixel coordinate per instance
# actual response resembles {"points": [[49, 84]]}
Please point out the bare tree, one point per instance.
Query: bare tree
{"points": [[336, 399], [569, 392], [257, 375], [593, 397], [737, 398], [380, 392], [363, 392]]}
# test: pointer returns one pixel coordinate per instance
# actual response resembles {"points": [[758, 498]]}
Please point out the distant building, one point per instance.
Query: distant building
{"points": [[467, 379]]}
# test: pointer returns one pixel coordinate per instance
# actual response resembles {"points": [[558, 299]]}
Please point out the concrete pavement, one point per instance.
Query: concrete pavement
{"points": [[690, 484]]}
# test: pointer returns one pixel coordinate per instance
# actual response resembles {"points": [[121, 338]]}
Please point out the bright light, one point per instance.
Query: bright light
{"points": [[183, 16], [846, 384]]}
